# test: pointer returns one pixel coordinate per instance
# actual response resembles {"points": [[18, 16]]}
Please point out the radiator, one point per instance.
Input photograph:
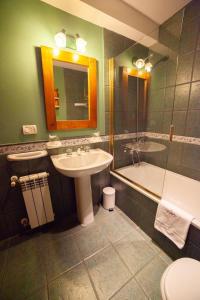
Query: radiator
{"points": [[37, 198]]}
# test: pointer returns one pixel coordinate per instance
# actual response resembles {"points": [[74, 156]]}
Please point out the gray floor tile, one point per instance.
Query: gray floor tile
{"points": [[90, 240], [134, 251], [72, 285], [149, 277], [22, 252], [131, 291], [154, 246], [62, 234], [103, 213], [128, 219], [107, 271], [115, 227], [61, 255], [167, 259], [25, 269], [22, 281]]}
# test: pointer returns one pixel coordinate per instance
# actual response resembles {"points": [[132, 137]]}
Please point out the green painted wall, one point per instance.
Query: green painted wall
{"points": [[24, 26]]}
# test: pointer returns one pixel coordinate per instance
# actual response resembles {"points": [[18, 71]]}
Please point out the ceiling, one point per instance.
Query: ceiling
{"points": [[157, 10], [138, 20]]}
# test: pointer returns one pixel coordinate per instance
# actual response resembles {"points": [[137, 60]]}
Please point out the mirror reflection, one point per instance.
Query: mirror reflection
{"points": [[70, 91]]}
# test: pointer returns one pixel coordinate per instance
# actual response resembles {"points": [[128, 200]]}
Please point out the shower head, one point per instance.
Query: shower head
{"points": [[163, 59]]}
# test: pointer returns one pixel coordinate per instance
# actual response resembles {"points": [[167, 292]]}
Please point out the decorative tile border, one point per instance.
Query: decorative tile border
{"points": [[100, 139], [42, 145], [176, 138], [125, 136]]}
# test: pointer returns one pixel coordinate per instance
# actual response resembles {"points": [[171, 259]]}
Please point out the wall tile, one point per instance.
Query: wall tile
{"points": [[195, 96], [174, 156], [169, 98], [167, 120], [192, 10], [154, 121], [196, 72], [156, 100], [184, 71], [190, 157], [171, 71], [178, 120], [158, 75], [188, 40], [181, 97], [192, 125]]}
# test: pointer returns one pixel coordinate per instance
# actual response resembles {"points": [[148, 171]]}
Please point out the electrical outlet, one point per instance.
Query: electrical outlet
{"points": [[29, 129]]}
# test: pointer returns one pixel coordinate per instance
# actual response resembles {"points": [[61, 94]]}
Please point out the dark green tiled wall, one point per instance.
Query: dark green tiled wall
{"points": [[175, 82], [175, 91]]}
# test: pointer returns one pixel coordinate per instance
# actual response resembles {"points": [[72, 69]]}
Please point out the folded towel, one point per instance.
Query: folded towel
{"points": [[173, 222]]}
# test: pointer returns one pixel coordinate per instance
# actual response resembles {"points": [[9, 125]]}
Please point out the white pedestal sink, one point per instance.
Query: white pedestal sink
{"points": [[81, 166]]}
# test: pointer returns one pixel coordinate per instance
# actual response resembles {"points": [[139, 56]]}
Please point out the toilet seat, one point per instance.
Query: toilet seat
{"points": [[181, 280]]}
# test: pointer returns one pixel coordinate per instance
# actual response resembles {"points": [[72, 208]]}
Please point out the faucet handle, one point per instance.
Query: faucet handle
{"points": [[79, 150], [87, 148], [69, 151]]}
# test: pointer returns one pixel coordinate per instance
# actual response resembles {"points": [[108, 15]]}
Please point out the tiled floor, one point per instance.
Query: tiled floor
{"points": [[110, 259]]}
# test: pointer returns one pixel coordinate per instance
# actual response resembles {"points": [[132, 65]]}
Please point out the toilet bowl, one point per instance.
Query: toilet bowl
{"points": [[181, 280]]}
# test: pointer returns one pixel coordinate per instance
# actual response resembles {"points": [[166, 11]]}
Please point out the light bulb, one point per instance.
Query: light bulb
{"points": [[139, 63], [75, 57], [140, 73], [60, 39], [81, 45], [148, 67], [56, 51]]}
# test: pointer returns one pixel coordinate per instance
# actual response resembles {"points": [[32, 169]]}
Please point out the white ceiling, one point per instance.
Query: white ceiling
{"points": [[136, 19], [157, 10]]}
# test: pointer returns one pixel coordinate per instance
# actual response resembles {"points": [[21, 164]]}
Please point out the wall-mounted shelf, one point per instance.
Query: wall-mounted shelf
{"points": [[27, 155]]}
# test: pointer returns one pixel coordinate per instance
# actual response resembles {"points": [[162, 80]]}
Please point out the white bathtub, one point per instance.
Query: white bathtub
{"points": [[181, 190]]}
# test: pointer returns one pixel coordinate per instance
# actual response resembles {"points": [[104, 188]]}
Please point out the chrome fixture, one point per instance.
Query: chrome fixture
{"points": [[69, 151], [63, 40], [87, 148], [141, 63]]}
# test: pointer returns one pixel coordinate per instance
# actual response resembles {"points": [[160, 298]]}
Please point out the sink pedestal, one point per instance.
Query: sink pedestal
{"points": [[84, 200]]}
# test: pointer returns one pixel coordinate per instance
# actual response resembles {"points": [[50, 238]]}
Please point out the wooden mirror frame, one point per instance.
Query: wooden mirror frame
{"points": [[47, 65]]}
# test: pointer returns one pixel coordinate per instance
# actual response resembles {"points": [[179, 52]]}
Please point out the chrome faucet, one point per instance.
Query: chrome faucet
{"points": [[69, 151], [138, 157], [79, 150]]}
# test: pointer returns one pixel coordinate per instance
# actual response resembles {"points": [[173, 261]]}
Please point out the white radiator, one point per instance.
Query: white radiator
{"points": [[37, 198]]}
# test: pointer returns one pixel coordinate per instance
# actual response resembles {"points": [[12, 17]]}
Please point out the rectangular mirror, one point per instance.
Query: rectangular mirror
{"points": [[70, 90]]}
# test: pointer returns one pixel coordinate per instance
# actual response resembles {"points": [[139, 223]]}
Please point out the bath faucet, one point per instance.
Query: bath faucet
{"points": [[133, 152], [138, 157]]}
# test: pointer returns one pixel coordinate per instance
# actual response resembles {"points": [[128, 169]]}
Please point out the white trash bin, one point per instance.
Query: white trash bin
{"points": [[109, 198]]}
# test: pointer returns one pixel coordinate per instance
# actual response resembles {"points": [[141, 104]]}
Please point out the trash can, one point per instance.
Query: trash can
{"points": [[109, 198]]}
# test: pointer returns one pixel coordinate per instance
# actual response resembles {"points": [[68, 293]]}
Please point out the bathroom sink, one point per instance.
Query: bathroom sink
{"points": [[85, 163], [81, 165], [146, 147]]}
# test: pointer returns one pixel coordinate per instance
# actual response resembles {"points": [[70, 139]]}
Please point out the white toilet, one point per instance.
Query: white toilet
{"points": [[181, 280]]}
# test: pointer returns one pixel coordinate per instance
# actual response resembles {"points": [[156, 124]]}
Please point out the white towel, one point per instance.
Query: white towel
{"points": [[173, 222]]}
